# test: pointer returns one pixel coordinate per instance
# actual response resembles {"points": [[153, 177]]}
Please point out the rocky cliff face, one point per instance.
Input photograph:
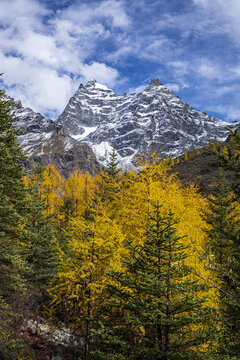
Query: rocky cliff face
{"points": [[46, 142], [155, 120]]}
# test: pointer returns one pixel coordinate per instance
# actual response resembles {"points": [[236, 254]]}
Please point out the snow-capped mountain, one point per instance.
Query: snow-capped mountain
{"points": [[46, 142], [155, 120]]}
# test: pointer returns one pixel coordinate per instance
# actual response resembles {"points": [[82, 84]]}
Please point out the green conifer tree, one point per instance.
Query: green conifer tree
{"points": [[41, 245], [229, 158], [224, 261], [112, 164], [155, 310], [12, 211], [109, 179], [26, 257]]}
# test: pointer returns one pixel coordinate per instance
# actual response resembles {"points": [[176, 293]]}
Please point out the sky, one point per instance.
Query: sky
{"points": [[49, 47]]}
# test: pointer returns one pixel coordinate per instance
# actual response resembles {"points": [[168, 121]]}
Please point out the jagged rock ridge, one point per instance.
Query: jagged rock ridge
{"points": [[155, 120], [46, 142]]}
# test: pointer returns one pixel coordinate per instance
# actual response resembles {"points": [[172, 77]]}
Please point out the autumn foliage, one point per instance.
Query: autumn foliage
{"points": [[95, 217]]}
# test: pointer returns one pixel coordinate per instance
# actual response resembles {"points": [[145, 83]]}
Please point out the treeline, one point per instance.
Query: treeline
{"points": [[134, 265]]}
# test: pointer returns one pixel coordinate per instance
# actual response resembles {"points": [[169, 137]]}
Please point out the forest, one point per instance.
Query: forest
{"points": [[124, 265]]}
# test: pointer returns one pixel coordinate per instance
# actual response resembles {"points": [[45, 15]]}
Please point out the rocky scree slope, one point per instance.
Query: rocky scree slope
{"points": [[46, 142], [155, 120]]}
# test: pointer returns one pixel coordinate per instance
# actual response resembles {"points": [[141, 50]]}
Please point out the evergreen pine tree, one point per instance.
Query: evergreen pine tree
{"points": [[229, 157], [42, 255], [222, 217], [112, 164], [12, 212], [108, 183], [26, 256], [155, 310], [224, 254]]}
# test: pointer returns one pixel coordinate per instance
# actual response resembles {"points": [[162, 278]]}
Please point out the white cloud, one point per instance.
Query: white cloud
{"points": [[43, 89], [179, 68], [138, 89], [22, 13], [230, 112], [204, 67], [157, 47], [224, 90], [88, 13], [101, 72], [123, 51], [36, 85], [44, 55], [207, 18], [173, 87], [208, 69], [114, 10], [212, 70]]}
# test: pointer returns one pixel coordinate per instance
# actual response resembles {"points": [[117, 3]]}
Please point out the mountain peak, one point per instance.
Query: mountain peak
{"points": [[92, 83], [155, 82]]}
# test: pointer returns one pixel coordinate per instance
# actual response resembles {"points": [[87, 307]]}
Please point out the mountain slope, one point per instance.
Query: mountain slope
{"points": [[202, 168], [155, 120], [46, 142]]}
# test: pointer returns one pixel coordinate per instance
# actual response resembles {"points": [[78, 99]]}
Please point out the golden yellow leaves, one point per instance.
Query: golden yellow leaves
{"points": [[97, 215]]}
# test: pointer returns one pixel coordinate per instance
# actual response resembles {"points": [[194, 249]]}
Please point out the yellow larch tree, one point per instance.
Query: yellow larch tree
{"points": [[95, 243], [52, 188], [78, 191], [154, 184], [137, 195]]}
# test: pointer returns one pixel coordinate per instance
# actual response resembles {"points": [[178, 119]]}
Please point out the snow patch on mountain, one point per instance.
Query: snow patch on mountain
{"points": [[102, 151], [100, 86], [87, 131]]}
